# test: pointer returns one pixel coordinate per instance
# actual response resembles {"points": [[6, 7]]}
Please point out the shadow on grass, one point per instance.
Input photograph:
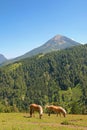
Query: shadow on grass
{"points": [[26, 116]]}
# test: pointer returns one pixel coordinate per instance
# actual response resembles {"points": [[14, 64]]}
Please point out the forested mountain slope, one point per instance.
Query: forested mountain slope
{"points": [[57, 78]]}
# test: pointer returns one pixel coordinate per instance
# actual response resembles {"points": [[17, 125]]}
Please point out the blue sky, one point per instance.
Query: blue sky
{"points": [[27, 24]]}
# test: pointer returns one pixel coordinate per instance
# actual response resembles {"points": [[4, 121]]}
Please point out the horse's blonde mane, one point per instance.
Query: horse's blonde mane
{"points": [[41, 110], [63, 110]]}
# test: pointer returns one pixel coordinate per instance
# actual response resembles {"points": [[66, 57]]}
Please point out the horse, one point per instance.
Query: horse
{"points": [[38, 108], [56, 109]]}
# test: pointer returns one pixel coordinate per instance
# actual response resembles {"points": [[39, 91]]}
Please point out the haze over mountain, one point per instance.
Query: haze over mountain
{"points": [[2, 58], [58, 42]]}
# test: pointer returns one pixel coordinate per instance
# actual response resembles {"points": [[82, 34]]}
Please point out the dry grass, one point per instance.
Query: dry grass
{"points": [[21, 121]]}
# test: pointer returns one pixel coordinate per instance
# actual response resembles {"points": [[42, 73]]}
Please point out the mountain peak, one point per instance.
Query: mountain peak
{"points": [[57, 37], [60, 39], [58, 42]]}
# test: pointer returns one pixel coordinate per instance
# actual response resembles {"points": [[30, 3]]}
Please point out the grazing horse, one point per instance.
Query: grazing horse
{"points": [[56, 109], [38, 108]]}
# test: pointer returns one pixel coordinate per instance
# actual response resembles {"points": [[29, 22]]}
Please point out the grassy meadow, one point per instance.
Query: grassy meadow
{"points": [[21, 121]]}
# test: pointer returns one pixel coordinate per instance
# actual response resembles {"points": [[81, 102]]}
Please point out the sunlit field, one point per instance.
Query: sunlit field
{"points": [[22, 121]]}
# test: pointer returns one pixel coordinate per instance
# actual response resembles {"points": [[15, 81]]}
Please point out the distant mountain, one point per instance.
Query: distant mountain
{"points": [[2, 59], [58, 42]]}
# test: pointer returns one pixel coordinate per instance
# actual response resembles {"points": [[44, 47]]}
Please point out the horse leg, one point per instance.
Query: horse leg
{"points": [[60, 114], [49, 114], [33, 114], [64, 114], [57, 114], [30, 112], [40, 116]]}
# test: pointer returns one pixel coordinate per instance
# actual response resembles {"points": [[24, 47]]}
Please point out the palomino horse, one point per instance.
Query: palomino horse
{"points": [[56, 109], [35, 107]]}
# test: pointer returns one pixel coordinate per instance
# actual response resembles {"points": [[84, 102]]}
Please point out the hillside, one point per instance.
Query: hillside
{"points": [[57, 78], [58, 42], [2, 59]]}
